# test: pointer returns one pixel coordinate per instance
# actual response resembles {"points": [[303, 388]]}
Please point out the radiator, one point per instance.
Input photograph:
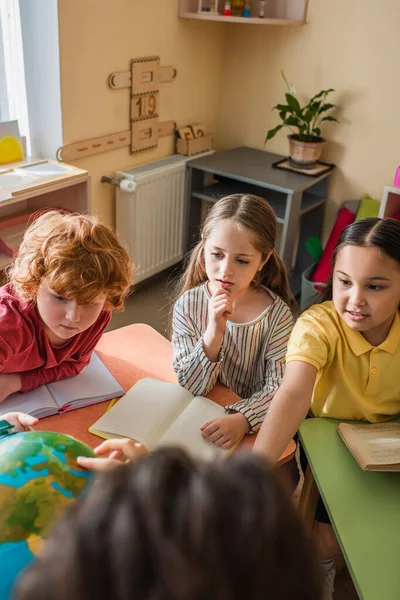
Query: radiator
{"points": [[151, 220]]}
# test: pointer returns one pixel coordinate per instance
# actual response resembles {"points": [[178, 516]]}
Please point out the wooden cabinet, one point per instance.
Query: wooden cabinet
{"points": [[276, 12], [31, 185]]}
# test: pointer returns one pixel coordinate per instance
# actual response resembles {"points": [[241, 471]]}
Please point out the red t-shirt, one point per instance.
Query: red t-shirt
{"points": [[26, 349]]}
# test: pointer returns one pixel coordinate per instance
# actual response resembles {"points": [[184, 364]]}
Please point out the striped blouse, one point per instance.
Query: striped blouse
{"points": [[252, 356]]}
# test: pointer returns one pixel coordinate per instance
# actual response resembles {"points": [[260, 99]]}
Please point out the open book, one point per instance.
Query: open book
{"points": [[157, 413], [376, 447], [94, 384]]}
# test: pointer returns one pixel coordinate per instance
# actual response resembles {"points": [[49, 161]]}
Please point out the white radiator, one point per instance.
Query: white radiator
{"points": [[151, 220]]}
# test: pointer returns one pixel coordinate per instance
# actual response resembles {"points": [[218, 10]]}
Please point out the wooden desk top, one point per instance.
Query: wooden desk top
{"points": [[131, 353], [363, 507]]}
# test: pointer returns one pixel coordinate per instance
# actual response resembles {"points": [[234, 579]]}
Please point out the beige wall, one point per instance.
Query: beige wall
{"points": [[228, 77], [98, 37], [350, 45]]}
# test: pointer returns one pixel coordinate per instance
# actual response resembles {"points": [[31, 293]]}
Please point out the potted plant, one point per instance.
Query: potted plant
{"points": [[305, 141]]}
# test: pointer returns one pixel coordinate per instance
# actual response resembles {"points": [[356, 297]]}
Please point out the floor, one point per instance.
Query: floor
{"points": [[150, 303]]}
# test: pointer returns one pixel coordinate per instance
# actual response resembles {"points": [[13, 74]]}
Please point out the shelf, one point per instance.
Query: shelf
{"points": [[277, 200], [243, 20], [309, 202], [276, 12], [32, 185], [212, 193]]}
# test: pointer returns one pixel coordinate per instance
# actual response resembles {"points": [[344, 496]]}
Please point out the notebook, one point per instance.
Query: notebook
{"points": [[157, 413], [94, 384]]}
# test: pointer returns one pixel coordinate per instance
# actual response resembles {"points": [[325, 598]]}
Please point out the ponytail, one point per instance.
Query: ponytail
{"points": [[273, 275]]}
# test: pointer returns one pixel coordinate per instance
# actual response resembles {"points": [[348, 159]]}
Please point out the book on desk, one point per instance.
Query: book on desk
{"points": [[158, 413], [376, 447], [93, 384]]}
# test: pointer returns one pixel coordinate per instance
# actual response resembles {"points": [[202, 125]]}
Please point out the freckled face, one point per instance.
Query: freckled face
{"points": [[62, 318]]}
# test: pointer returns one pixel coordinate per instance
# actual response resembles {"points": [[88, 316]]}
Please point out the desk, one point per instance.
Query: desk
{"points": [[364, 508], [131, 353], [291, 196]]}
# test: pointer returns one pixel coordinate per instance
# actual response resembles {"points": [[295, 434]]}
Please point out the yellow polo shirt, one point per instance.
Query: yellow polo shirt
{"points": [[355, 380]]}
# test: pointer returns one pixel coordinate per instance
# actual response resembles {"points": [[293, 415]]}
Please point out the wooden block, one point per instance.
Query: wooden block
{"points": [[166, 128], [198, 130], [144, 106], [167, 74], [121, 79], [186, 133], [194, 146], [145, 75], [93, 146], [144, 134]]}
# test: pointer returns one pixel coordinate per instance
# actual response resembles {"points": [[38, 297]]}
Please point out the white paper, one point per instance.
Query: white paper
{"points": [[37, 402], [95, 381], [185, 431], [146, 411]]}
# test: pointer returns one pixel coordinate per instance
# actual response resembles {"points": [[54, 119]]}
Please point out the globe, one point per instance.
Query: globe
{"points": [[39, 478]]}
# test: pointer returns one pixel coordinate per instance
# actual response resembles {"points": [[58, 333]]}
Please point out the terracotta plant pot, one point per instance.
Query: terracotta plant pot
{"points": [[305, 153]]}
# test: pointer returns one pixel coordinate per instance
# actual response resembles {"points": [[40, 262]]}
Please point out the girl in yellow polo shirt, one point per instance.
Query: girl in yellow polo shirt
{"points": [[343, 357]]}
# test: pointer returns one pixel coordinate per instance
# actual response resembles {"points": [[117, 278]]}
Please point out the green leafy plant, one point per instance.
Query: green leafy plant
{"points": [[305, 119]]}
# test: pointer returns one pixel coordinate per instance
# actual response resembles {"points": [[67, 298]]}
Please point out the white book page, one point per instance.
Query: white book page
{"points": [[185, 431], [37, 403], [146, 411], [94, 382]]}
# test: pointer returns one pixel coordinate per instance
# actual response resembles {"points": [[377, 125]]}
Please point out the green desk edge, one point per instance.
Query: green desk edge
{"points": [[364, 508]]}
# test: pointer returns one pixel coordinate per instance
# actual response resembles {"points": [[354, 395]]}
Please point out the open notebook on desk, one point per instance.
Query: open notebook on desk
{"points": [[158, 413], [94, 384]]}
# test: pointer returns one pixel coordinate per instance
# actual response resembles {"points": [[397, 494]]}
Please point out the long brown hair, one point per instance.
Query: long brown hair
{"points": [[170, 528], [256, 216]]}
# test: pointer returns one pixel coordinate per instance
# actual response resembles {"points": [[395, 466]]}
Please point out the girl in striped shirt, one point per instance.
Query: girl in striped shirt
{"points": [[232, 321]]}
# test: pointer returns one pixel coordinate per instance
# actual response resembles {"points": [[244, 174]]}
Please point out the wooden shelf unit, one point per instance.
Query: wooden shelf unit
{"points": [[68, 190], [277, 12]]}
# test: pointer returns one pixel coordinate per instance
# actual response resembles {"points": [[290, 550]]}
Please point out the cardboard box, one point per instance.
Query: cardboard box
{"points": [[189, 147]]}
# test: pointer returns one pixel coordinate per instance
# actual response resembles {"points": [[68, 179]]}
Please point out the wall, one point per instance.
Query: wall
{"points": [[98, 37], [350, 46]]}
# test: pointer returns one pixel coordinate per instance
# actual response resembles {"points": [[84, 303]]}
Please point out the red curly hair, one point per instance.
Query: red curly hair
{"points": [[79, 257]]}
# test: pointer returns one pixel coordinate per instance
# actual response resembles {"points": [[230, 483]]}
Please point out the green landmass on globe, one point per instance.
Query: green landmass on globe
{"points": [[39, 478]]}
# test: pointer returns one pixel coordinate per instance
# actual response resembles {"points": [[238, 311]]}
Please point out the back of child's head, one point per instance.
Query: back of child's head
{"points": [[169, 528], [372, 232], [77, 255], [255, 215]]}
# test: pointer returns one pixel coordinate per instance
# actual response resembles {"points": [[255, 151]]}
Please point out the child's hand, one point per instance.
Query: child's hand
{"points": [[9, 383], [20, 420], [226, 431], [119, 451], [219, 308]]}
